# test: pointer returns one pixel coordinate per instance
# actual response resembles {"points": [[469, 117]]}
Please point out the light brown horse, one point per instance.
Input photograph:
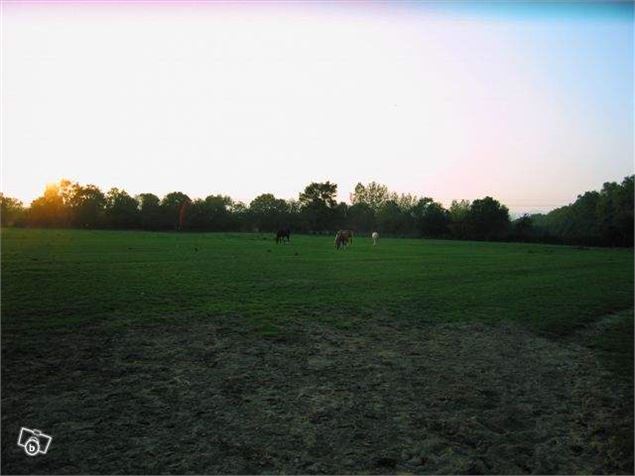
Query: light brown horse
{"points": [[343, 238]]}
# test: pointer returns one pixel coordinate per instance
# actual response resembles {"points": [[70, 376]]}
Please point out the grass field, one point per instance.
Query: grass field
{"points": [[226, 353]]}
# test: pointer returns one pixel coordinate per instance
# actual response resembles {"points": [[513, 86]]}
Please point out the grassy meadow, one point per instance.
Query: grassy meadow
{"points": [[226, 353]]}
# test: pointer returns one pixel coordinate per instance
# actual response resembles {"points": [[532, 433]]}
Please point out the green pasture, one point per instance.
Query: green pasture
{"points": [[61, 277]]}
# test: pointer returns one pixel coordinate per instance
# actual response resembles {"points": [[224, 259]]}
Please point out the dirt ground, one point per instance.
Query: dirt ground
{"points": [[382, 397]]}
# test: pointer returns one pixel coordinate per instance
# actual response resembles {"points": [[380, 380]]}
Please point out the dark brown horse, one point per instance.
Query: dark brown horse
{"points": [[343, 238], [282, 234]]}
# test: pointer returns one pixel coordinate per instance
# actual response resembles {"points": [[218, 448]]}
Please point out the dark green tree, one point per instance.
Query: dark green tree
{"points": [[391, 219], [174, 210], [341, 217], [150, 214], [318, 206], [522, 228], [615, 213], [361, 217], [431, 219], [268, 213], [459, 211], [218, 209], [86, 205], [122, 210], [487, 219]]}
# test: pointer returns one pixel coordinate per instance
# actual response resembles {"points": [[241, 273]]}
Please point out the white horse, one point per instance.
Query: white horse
{"points": [[375, 237]]}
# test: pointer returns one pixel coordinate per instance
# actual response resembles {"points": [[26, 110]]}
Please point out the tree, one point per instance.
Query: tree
{"points": [[615, 212], [11, 210], [197, 216], [238, 213], [174, 210], [217, 208], [431, 218], [297, 220], [361, 217], [406, 201], [317, 204], [487, 219], [321, 193], [268, 213], [576, 223], [122, 210], [51, 210], [624, 211], [391, 218], [522, 227], [373, 195], [340, 216], [595, 218], [459, 211], [86, 206], [214, 213], [603, 218], [150, 211]]}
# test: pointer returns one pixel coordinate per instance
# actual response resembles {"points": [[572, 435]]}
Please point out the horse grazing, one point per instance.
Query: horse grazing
{"points": [[282, 234], [375, 237], [343, 238]]}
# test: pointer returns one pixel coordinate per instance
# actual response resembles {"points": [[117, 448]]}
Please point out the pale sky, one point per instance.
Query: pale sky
{"points": [[529, 104]]}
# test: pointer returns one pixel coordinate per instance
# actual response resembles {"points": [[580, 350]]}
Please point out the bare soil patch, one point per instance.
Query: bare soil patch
{"points": [[383, 397]]}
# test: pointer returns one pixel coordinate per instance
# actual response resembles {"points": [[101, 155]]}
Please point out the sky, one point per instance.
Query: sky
{"points": [[531, 103]]}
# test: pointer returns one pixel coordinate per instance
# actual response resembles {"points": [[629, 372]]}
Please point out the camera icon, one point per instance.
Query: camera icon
{"points": [[34, 442]]}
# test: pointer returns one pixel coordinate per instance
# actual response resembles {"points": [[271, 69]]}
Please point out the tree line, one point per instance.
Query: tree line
{"points": [[602, 218]]}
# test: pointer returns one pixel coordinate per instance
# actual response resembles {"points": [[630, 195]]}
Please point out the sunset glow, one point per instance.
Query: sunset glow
{"points": [[531, 105]]}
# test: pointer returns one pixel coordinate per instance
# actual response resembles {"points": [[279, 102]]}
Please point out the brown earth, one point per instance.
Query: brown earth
{"points": [[383, 397]]}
